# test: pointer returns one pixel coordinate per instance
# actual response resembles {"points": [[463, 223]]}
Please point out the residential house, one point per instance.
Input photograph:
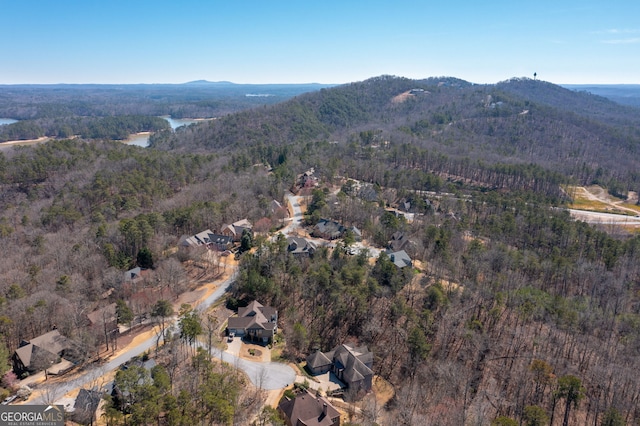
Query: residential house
{"points": [[121, 397], [220, 242], [143, 301], [301, 247], [236, 229], [255, 321], [328, 229], [133, 275], [104, 320], [309, 410], [45, 352], [400, 259], [135, 279], [276, 207], [367, 192], [357, 234], [208, 239], [319, 363], [85, 406], [307, 179], [352, 365], [405, 205], [399, 241]]}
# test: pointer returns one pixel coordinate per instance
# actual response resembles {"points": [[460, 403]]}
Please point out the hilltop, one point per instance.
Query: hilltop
{"points": [[519, 122]]}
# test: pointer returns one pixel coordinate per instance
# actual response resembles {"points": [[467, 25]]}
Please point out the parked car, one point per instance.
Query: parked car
{"points": [[231, 336], [9, 399]]}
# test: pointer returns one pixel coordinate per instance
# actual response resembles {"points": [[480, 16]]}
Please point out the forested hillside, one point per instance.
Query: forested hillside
{"points": [[511, 310], [112, 128], [519, 122]]}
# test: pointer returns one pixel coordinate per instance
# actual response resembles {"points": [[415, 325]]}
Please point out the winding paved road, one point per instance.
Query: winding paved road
{"points": [[266, 376]]}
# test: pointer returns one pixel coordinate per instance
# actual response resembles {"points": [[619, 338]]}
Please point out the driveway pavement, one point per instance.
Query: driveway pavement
{"points": [[234, 346], [327, 381], [263, 375]]}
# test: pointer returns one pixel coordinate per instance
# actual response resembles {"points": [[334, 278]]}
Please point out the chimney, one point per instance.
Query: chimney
{"points": [[324, 409]]}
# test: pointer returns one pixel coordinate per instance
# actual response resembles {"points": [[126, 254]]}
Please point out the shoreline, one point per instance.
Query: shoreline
{"points": [[26, 141]]}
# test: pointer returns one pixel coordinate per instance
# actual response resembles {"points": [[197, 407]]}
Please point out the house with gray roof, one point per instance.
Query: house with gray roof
{"points": [[133, 275], [255, 321], [208, 239], [399, 241], [328, 229], [309, 410], [352, 365], [357, 234], [85, 406], [301, 247], [400, 259]]}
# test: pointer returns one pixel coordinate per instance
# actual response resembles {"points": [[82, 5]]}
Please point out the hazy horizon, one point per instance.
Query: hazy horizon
{"points": [[212, 83]]}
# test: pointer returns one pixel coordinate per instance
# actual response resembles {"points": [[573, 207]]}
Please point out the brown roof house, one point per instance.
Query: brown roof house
{"points": [[308, 410], [45, 352], [236, 229], [257, 322], [104, 322], [350, 364]]}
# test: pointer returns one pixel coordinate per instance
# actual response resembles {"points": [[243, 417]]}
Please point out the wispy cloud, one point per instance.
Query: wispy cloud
{"points": [[633, 40], [626, 35], [618, 31]]}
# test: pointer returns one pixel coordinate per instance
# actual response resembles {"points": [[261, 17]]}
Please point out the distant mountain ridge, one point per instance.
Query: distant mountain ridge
{"points": [[626, 94], [218, 83], [229, 84]]}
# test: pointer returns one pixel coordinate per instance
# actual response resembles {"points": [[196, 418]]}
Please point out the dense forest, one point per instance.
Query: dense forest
{"points": [[513, 313], [112, 128]]}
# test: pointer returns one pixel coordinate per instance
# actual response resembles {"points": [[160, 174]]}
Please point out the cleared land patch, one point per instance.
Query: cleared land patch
{"points": [[595, 199]]}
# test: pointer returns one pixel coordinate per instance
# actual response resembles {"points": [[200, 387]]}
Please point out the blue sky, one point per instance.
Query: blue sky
{"points": [[282, 41]]}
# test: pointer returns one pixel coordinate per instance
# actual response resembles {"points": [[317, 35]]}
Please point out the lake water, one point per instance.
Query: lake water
{"points": [[142, 139], [179, 122], [7, 121]]}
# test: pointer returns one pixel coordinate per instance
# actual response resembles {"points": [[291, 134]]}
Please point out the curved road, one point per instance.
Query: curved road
{"points": [[266, 376], [604, 218]]}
